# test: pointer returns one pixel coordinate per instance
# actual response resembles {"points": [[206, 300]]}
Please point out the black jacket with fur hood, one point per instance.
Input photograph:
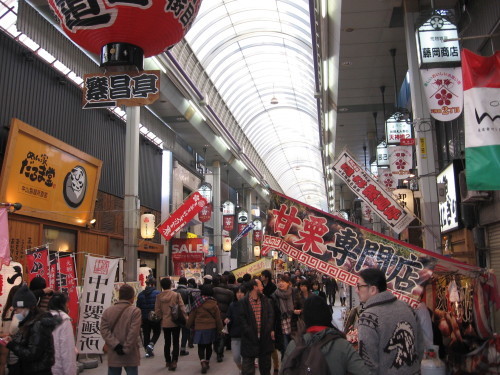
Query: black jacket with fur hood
{"points": [[33, 343]]}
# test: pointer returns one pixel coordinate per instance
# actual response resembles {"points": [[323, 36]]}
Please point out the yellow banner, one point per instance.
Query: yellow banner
{"points": [[51, 179], [254, 268]]}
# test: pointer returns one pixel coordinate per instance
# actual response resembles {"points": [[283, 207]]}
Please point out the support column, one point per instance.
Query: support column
{"points": [[248, 238], [424, 135], [131, 202], [166, 202], [216, 193]]}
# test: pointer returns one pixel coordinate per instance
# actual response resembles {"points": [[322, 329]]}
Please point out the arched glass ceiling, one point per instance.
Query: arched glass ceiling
{"points": [[254, 51]]}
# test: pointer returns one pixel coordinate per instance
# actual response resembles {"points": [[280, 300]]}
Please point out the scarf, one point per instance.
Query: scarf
{"points": [[285, 300], [200, 300]]}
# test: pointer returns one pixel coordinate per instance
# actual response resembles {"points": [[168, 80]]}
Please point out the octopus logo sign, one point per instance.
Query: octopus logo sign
{"points": [[75, 186]]}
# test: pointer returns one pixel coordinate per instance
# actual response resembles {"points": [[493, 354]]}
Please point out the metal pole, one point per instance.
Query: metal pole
{"points": [[131, 201], [216, 190]]}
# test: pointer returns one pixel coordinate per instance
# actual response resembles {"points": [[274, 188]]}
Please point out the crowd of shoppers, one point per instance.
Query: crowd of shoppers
{"points": [[265, 322]]}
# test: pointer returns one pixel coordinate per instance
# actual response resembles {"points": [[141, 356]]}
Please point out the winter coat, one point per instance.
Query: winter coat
{"points": [[251, 345], [64, 346], [206, 316], [33, 343], [340, 355], [146, 300], [163, 307], [389, 336], [126, 331], [233, 314], [224, 297], [269, 289]]}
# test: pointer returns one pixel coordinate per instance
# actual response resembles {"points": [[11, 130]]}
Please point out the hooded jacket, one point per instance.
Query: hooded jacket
{"points": [[64, 346], [33, 343], [340, 355], [163, 307], [389, 336], [146, 300]]}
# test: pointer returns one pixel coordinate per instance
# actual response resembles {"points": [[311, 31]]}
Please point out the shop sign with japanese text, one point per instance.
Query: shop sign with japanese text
{"points": [[180, 217], [96, 297], [449, 209], [396, 130], [434, 49], [369, 190], [341, 249], [55, 180], [444, 91], [119, 89]]}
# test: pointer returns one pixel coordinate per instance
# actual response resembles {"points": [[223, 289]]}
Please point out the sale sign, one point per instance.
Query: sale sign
{"points": [[180, 217]]}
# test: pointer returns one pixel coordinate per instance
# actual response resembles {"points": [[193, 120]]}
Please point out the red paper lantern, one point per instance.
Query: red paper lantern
{"points": [[205, 214], [152, 25]]}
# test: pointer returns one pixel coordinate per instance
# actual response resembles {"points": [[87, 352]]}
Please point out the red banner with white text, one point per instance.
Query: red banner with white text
{"points": [[180, 217], [67, 283]]}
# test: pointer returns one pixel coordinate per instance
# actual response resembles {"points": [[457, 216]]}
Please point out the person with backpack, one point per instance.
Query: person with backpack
{"points": [[183, 290], [322, 349], [146, 302]]}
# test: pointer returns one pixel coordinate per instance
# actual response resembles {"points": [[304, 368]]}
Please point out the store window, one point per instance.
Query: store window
{"points": [[59, 239]]}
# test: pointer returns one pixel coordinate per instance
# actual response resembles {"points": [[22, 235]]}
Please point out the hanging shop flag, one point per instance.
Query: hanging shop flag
{"points": [[371, 192], [341, 248], [53, 271], [400, 161], [366, 212], [228, 222], [243, 231], [205, 214], [444, 92], [481, 76], [38, 263], [10, 275], [257, 235], [4, 238], [386, 179], [180, 217], [95, 298], [67, 283]]}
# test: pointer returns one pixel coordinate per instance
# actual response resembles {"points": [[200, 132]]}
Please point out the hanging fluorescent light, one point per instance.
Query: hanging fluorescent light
{"points": [[197, 110]]}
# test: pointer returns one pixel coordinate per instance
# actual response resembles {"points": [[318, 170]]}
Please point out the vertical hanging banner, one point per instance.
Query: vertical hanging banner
{"points": [[386, 179], [96, 297], [228, 222], [67, 283], [401, 161], [341, 249], [38, 264], [444, 92], [53, 272], [481, 76], [180, 217], [4, 238], [9, 276], [365, 187], [245, 229], [205, 214]]}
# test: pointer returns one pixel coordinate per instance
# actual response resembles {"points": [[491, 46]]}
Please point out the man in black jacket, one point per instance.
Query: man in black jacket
{"points": [[267, 280], [184, 291], [257, 322], [224, 297]]}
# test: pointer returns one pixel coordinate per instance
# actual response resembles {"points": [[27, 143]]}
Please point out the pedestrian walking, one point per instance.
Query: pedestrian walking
{"points": [[146, 302], [185, 293], [234, 325]]}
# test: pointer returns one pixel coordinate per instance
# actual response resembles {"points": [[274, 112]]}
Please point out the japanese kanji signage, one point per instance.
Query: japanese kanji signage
{"points": [[180, 217], [365, 187], [433, 49], [228, 222], [38, 264], [10, 275], [67, 282], [4, 238], [55, 180], [96, 297], [444, 92], [342, 249], [205, 214], [382, 155], [449, 209], [152, 25], [400, 161], [396, 130], [119, 89]]}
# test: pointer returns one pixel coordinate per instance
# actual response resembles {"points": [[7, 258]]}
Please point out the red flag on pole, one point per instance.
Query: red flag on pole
{"points": [[38, 264], [67, 283]]}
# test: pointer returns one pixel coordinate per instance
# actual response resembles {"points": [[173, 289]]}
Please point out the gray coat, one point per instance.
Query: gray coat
{"points": [[389, 336]]}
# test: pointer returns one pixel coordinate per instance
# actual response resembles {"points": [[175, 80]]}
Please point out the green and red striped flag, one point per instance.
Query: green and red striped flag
{"points": [[481, 80]]}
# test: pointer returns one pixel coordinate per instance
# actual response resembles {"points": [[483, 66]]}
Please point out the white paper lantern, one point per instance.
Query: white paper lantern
{"points": [[148, 226], [256, 251], [226, 243]]}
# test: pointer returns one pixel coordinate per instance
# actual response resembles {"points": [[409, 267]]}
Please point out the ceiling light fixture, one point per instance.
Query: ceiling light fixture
{"points": [[274, 99]]}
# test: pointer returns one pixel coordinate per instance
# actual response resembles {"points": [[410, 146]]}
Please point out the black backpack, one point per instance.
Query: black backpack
{"points": [[308, 359]]}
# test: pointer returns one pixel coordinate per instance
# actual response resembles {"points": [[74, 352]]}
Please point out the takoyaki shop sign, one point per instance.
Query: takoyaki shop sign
{"points": [[341, 249], [51, 179]]}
